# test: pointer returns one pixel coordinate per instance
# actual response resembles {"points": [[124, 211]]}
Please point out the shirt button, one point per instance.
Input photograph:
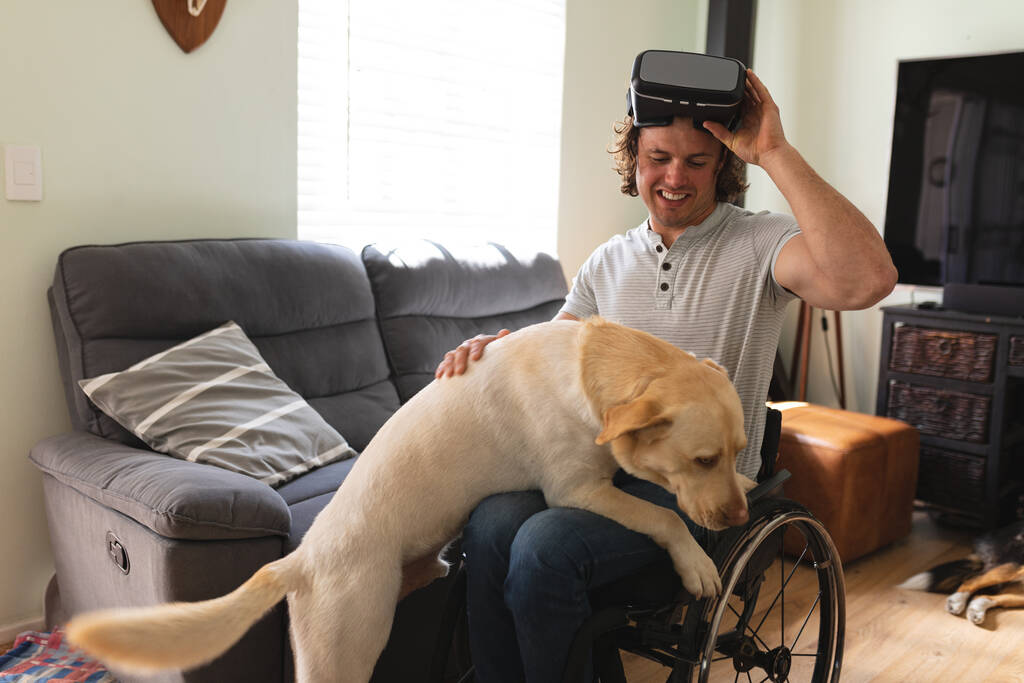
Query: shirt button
{"points": [[666, 266], [659, 249], [664, 286]]}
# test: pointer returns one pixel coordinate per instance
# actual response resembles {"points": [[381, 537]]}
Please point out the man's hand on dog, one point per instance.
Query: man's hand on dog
{"points": [[456, 360]]}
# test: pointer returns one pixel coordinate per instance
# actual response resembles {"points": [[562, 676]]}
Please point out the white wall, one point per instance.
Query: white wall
{"points": [[602, 39], [139, 141], [831, 67]]}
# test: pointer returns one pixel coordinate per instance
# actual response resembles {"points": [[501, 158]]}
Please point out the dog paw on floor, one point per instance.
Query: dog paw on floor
{"points": [[996, 568]]}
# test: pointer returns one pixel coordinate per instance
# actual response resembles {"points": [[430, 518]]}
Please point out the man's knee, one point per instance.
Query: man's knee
{"points": [[494, 523], [548, 547]]}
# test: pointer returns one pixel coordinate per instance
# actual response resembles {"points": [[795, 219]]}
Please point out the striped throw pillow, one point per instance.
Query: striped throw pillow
{"points": [[214, 400]]}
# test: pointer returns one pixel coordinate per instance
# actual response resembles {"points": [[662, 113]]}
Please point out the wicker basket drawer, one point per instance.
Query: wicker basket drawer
{"points": [[949, 414], [940, 353], [951, 479], [1016, 350]]}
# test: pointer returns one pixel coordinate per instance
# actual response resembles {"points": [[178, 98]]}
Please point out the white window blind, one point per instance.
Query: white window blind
{"points": [[430, 119]]}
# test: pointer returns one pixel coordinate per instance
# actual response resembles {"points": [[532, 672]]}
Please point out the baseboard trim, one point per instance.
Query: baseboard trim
{"points": [[8, 632]]}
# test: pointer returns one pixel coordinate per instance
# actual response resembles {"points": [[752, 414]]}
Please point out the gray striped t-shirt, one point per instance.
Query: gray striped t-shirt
{"points": [[713, 293]]}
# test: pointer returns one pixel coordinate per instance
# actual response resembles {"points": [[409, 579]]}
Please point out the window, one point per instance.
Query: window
{"points": [[430, 119]]}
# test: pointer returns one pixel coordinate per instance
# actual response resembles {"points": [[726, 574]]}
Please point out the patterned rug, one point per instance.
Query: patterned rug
{"points": [[38, 657]]}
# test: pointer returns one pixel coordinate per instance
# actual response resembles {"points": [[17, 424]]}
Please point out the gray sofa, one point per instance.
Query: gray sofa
{"points": [[355, 336]]}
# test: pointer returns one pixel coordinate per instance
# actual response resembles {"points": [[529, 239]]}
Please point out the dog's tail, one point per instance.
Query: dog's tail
{"points": [[181, 635], [945, 578]]}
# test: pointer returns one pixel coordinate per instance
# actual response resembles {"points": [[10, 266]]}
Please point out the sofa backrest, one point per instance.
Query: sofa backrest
{"points": [[430, 298], [307, 307]]}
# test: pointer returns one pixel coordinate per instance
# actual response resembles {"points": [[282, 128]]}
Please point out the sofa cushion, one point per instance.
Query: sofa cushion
{"points": [[430, 298], [171, 497], [308, 494], [307, 307], [213, 399]]}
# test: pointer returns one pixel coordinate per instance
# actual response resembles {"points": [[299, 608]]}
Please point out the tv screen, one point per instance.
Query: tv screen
{"points": [[955, 208]]}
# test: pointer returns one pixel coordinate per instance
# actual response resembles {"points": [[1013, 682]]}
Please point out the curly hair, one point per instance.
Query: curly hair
{"points": [[728, 186]]}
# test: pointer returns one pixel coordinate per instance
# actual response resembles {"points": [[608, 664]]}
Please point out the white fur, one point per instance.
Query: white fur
{"points": [[917, 582], [956, 602], [977, 608], [524, 417]]}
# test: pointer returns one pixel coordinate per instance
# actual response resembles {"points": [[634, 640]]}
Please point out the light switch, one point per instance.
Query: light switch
{"points": [[23, 172]]}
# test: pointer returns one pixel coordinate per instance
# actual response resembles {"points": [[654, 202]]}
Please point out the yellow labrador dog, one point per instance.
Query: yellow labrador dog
{"points": [[558, 406]]}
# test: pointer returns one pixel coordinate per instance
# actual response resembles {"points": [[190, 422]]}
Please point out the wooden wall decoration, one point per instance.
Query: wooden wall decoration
{"points": [[190, 22]]}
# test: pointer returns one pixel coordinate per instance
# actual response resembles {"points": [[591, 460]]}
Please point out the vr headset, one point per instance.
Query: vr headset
{"points": [[666, 84]]}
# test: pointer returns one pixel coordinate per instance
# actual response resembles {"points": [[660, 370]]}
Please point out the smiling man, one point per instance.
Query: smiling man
{"points": [[708, 277], [677, 167]]}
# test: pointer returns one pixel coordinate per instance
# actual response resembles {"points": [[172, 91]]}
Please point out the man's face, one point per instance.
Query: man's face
{"points": [[676, 170]]}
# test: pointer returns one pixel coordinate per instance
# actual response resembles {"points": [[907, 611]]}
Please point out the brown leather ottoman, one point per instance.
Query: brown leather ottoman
{"points": [[856, 473]]}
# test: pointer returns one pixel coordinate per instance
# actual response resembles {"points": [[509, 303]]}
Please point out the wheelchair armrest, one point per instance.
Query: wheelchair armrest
{"points": [[769, 485]]}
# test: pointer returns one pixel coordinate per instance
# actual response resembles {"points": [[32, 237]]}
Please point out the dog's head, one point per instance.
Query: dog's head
{"points": [[682, 432]]}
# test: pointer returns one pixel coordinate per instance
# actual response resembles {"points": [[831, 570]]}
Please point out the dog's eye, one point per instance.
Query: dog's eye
{"points": [[707, 462]]}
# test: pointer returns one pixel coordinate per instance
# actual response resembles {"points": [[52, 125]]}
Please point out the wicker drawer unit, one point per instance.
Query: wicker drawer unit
{"points": [[949, 414], [951, 479], [942, 353], [959, 379], [1017, 351]]}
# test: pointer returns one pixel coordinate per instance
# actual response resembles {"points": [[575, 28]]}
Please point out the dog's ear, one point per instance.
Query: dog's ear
{"points": [[641, 414]]}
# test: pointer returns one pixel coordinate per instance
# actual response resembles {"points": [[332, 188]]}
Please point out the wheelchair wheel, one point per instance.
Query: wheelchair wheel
{"points": [[782, 612]]}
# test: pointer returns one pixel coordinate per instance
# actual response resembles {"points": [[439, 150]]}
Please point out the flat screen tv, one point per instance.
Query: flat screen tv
{"points": [[955, 209]]}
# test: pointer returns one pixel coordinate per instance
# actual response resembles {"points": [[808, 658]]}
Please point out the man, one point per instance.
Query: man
{"points": [[706, 276]]}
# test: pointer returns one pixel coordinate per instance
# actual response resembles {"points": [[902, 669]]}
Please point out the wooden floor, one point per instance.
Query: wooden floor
{"points": [[899, 635]]}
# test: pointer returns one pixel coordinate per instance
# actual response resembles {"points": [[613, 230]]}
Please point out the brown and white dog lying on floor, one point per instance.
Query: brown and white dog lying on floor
{"points": [[997, 563], [558, 406]]}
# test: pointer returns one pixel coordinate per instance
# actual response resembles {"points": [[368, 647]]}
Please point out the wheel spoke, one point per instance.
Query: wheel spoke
{"points": [[758, 638], [739, 619], [806, 619], [782, 593], [772, 606]]}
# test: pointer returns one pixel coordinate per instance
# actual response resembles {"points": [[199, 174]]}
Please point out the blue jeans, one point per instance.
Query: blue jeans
{"points": [[529, 568]]}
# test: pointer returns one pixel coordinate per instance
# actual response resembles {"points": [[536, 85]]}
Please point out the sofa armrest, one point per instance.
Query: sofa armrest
{"points": [[175, 498]]}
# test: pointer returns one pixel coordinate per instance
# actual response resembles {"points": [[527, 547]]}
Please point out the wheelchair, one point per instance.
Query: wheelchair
{"points": [[753, 631]]}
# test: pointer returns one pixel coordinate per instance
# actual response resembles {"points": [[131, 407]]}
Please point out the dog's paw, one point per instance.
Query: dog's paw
{"points": [[956, 602], [699, 574], [976, 610]]}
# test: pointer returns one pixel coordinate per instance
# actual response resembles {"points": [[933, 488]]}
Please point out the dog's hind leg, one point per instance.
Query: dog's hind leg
{"points": [[1004, 573], [983, 603], [340, 627]]}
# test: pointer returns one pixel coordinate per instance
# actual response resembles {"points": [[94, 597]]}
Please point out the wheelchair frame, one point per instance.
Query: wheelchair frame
{"points": [[690, 646]]}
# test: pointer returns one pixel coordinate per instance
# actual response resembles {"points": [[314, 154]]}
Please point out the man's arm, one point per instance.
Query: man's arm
{"points": [[839, 261]]}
